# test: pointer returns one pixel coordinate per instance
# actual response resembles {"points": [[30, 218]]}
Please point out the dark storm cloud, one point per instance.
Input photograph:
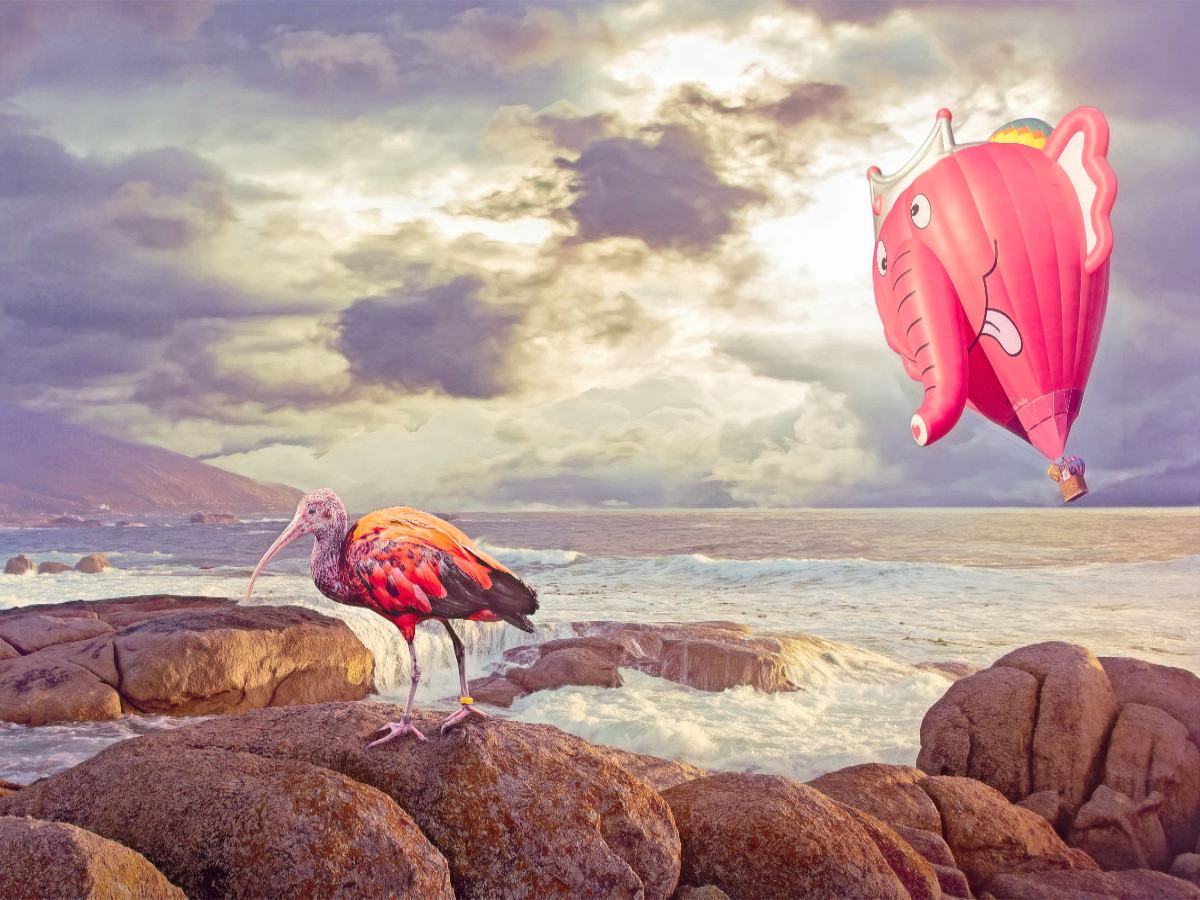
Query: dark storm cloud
{"points": [[93, 259], [442, 337], [665, 193]]}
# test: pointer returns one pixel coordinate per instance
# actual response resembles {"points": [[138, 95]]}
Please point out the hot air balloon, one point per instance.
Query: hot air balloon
{"points": [[991, 276]]}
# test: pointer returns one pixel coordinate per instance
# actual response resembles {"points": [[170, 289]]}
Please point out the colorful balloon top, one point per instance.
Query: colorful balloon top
{"points": [[1030, 132]]}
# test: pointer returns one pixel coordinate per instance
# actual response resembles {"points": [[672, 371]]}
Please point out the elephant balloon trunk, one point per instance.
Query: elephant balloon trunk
{"points": [[934, 334]]}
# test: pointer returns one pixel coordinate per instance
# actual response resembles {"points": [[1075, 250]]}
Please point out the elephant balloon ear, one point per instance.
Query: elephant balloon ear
{"points": [[1079, 143]]}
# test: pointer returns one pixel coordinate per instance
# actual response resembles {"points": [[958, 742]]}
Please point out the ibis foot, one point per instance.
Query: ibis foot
{"points": [[395, 729], [468, 707]]}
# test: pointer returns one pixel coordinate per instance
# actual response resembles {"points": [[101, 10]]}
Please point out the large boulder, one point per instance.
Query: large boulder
{"points": [[1149, 753], [982, 727], [892, 794], [1174, 691], [518, 810], [709, 656], [1076, 710], [1076, 884], [572, 665], [87, 661], [990, 836], [764, 836], [50, 567], [1120, 833], [19, 565], [226, 824], [93, 563], [56, 861]]}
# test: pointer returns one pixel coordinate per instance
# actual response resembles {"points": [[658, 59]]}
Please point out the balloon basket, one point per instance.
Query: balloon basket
{"points": [[1073, 488]]}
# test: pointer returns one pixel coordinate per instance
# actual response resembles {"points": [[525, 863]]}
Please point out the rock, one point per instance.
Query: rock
{"points": [[71, 521], [7, 650], [93, 563], [1174, 691], [657, 772], [1075, 884], [1187, 867], [948, 668], [1121, 833], [1049, 805], [1149, 752], [1076, 711], [714, 665], [574, 665], [765, 836], [49, 567], [210, 518], [990, 836], [41, 689], [983, 727], [28, 631], [518, 810], [55, 860], [227, 824], [708, 892], [19, 565], [495, 690], [891, 794], [173, 655]]}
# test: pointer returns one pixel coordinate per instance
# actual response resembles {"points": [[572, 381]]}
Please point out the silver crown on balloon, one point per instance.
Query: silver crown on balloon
{"points": [[886, 188]]}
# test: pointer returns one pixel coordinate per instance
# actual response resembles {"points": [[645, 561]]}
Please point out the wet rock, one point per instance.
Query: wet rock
{"points": [[518, 810], [1121, 833], [948, 668], [570, 666], [495, 690], [766, 836], [982, 727], [1076, 711], [1174, 691], [990, 836], [1149, 753], [213, 518], [19, 565], [714, 665], [172, 655], [93, 563], [1074, 884], [227, 824], [51, 860], [49, 567]]}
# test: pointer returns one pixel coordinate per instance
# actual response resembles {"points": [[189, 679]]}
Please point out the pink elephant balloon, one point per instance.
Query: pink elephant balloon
{"points": [[991, 276]]}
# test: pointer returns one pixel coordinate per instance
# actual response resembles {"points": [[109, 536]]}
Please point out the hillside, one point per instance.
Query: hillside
{"points": [[48, 468]]}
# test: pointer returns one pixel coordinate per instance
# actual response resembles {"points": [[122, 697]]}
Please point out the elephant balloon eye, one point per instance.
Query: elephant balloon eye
{"points": [[920, 210], [881, 258]]}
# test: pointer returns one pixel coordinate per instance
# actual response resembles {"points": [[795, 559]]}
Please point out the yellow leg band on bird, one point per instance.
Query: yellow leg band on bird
{"points": [[466, 701]]}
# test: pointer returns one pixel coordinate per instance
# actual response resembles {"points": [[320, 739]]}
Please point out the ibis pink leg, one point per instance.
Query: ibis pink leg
{"points": [[395, 729], [467, 705]]}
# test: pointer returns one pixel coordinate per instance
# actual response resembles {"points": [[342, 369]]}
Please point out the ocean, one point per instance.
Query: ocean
{"points": [[883, 589]]}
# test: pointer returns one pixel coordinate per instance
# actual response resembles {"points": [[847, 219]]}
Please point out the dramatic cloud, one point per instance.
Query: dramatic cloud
{"points": [[664, 193], [441, 337]]}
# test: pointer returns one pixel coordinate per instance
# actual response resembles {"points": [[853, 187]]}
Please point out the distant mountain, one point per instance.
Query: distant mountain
{"points": [[49, 468]]}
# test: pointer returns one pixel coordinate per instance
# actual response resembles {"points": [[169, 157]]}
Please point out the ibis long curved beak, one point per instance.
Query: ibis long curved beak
{"points": [[298, 527]]}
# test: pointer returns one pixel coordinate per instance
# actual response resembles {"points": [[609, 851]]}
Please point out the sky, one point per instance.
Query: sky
{"points": [[526, 255]]}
